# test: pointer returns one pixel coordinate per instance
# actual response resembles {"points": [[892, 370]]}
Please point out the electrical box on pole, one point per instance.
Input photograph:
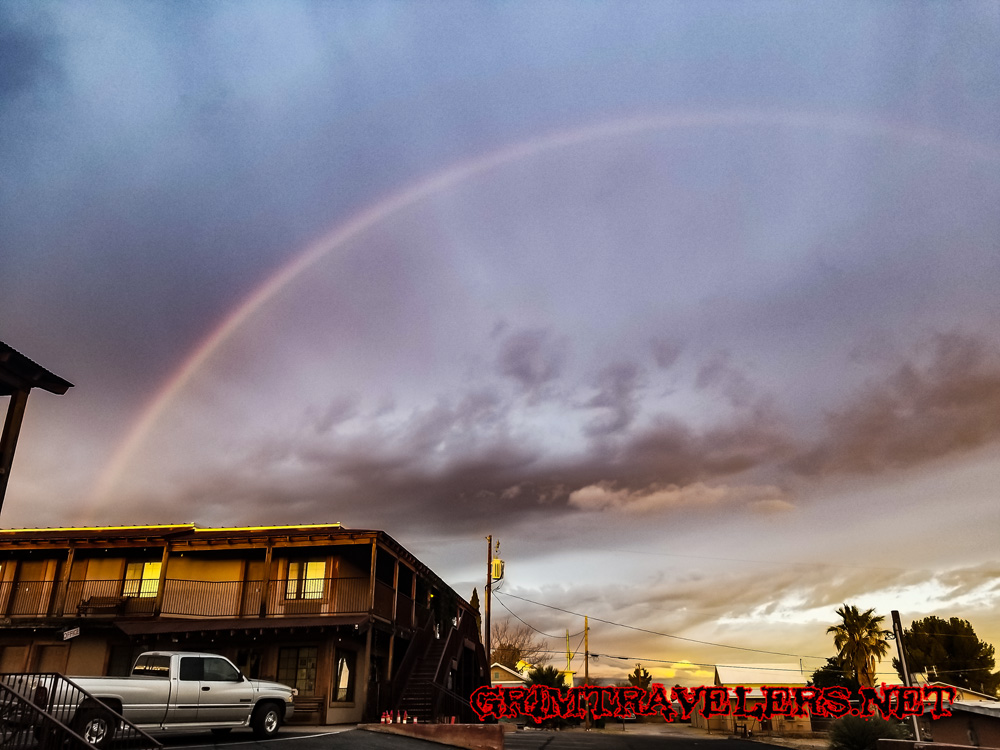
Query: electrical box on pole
{"points": [[497, 569]]}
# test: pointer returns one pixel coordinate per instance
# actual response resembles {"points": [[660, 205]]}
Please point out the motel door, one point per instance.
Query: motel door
{"points": [[51, 658]]}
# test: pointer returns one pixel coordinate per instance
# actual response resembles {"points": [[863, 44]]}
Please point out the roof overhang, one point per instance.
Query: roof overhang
{"points": [[18, 373]]}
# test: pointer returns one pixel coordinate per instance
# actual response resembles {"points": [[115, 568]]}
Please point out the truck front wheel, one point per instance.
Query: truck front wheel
{"points": [[266, 720], [96, 726]]}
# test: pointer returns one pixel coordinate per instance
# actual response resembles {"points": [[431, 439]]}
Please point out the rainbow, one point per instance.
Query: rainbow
{"points": [[456, 174]]}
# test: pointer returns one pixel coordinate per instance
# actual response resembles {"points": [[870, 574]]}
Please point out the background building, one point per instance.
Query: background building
{"points": [[755, 676]]}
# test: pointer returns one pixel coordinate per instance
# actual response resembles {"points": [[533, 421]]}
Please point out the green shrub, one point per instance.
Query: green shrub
{"points": [[855, 733]]}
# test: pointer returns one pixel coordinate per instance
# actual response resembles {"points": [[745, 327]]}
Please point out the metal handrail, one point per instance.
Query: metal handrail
{"points": [[46, 709], [414, 652]]}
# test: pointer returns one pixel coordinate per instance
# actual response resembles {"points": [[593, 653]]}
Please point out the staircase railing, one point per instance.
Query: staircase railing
{"points": [[47, 711], [414, 653], [465, 629], [449, 703]]}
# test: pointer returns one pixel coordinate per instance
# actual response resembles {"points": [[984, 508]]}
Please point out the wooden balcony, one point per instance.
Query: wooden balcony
{"points": [[196, 599]]}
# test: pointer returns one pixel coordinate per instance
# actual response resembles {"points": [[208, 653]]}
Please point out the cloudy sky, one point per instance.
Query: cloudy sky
{"points": [[694, 306]]}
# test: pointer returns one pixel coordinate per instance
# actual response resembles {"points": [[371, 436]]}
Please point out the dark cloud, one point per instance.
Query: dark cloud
{"points": [[673, 451], [458, 465], [616, 399], [531, 357], [339, 410], [665, 352], [27, 57], [947, 404]]}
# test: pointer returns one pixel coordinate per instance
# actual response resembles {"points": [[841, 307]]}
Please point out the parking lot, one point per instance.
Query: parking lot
{"points": [[349, 738]]}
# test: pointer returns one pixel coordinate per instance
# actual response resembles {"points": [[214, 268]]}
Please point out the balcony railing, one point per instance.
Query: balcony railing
{"points": [[404, 610], [184, 598], [383, 600]]}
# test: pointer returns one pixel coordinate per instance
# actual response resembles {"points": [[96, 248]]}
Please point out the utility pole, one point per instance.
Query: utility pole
{"points": [[569, 655], [586, 668], [489, 590], [897, 629]]}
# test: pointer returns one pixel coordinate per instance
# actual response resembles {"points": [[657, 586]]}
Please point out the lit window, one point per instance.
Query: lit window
{"points": [[343, 687], [305, 579], [142, 579]]}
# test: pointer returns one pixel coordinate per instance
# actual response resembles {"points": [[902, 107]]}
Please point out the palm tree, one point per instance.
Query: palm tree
{"points": [[861, 642]]}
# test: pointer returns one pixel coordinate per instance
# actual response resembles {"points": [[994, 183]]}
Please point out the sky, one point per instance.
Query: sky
{"points": [[693, 306]]}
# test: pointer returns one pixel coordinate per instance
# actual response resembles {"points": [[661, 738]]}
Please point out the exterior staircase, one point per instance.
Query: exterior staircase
{"points": [[418, 697]]}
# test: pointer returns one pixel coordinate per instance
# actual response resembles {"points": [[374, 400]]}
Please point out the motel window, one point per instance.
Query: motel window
{"points": [[142, 579], [297, 667], [343, 678], [305, 579]]}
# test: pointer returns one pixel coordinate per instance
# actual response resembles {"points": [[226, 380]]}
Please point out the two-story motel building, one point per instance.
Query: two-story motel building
{"points": [[347, 616]]}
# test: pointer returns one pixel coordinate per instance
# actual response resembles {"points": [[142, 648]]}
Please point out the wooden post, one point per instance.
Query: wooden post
{"points": [[395, 598], [265, 583], [897, 629], [371, 592], [489, 589], [586, 667], [8, 441], [64, 586], [162, 583]]}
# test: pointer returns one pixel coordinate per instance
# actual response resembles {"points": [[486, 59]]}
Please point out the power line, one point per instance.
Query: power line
{"points": [[665, 635], [547, 635], [650, 660], [681, 664]]}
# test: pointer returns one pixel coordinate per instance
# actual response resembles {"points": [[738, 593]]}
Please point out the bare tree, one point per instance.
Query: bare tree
{"points": [[512, 643]]}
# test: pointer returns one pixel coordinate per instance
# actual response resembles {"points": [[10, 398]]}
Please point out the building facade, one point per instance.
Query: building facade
{"points": [[755, 676], [349, 617]]}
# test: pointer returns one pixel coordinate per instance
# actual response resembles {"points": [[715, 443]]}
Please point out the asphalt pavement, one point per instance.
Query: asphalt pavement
{"points": [[348, 738]]}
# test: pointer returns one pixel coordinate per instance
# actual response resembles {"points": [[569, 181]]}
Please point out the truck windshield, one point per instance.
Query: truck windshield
{"points": [[151, 665]]}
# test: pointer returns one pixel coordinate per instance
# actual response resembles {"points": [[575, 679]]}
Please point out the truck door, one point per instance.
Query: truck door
{"points": [[150, 701], [225, 696], [184, 702]]}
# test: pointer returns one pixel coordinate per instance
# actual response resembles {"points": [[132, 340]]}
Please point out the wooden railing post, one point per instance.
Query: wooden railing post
{"points": [[63, 594], [162, 583], [371, 596], [265, 584], [395, 599]]}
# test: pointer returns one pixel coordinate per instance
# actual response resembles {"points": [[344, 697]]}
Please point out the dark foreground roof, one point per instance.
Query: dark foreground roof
{"points": [[18, 373]]}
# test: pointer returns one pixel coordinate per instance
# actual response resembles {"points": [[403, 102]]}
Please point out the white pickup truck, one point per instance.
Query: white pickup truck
{"points": [[171, 690]]}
